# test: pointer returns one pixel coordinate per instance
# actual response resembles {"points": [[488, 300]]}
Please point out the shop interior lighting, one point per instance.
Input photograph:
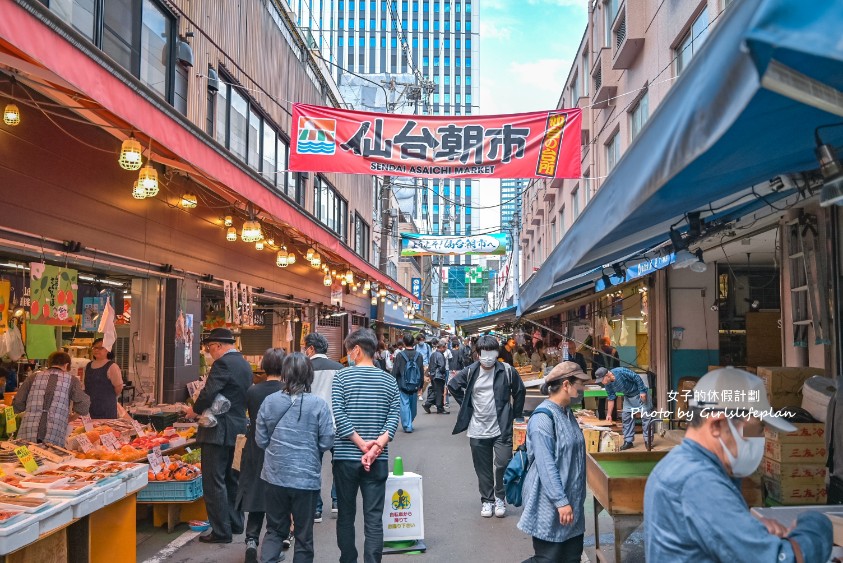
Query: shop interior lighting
{"points": [[327, 280], [251, 231], [412, 315], [231, 234], [228, 221], [382, 292], [832, 171], [148, 180], [367, 286], [259, 245], [297, 318], [101, 281], [189, 200], [310, 253], [282, 259], [343, 282], [11, 115], [131, 153], [138, 192], [349, 276], [699, 266], [395, 306], [317, 260]]}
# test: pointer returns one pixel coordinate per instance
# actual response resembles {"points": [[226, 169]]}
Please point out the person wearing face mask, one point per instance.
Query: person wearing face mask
{"points": [[554, 488], [491, 395], [693, 507]]}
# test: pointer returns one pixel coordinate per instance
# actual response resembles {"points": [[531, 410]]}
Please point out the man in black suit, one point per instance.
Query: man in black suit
{"points": [[230, 376], [575, 356]]}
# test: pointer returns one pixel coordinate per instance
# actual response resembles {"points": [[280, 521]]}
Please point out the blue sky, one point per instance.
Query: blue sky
{"points": [[526, 49]]}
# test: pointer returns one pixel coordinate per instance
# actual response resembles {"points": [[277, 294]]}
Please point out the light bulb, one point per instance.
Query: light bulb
{"points": [[349, 276], [138, 192], [327, 281], [395, 306], [317, 260], [282, 259], [251, 231], [188, 200], [270, 242], [11, 115], [148, 179], [343, 282], [130, 154], [310, 253], [367, 286], [228, 221], [231, 234], [259, 245], [374, 300], [291, 258]]}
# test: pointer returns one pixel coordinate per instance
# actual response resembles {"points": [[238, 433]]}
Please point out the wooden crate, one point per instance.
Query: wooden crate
{"points": [[794, 473], [752, 489], [786, 379], [795, 493], [592, 440], [806, 433], [620, 494], [806, 454]]}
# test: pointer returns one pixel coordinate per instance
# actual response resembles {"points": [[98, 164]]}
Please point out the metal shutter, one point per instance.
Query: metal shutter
{"points": [[331, 329], [256, 342]]}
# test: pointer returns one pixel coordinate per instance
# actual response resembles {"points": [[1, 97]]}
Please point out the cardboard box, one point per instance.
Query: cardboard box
{"points": [[805, 454], [592, 440], [787, 380], [795, 473], [791, 494], [519, 434], [752, 489], [806, 433], [610, 441], [780, 401]]}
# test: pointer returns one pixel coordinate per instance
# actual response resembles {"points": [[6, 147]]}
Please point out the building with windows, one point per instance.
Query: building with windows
{"points": [[511, 191], [623, 69]]}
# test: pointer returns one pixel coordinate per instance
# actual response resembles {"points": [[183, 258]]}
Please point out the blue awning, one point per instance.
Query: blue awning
{"points": [[743, 112], [491, 320]]}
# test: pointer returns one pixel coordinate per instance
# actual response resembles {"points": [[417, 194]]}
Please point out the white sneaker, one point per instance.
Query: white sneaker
{"points": [[487, 510], [500, 508]]}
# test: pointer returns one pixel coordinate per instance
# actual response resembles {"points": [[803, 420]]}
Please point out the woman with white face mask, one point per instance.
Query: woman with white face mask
{"points": [[491, 395]]}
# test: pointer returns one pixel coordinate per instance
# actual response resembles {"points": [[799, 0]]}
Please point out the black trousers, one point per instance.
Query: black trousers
{"points": [[283, 503], [569, 551], [219, 486], [438, 395], [254, 524], [490, 457], [349, 478]]}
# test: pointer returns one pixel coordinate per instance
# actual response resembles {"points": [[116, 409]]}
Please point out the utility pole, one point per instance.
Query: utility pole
{"points": [[516, 259]]}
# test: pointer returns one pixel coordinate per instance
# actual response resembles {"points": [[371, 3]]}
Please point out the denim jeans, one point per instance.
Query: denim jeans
{"points": [[644, 409], [319, 503], [349, 478], [409, 406]]}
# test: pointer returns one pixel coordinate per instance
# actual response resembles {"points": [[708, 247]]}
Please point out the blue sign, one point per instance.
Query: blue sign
{"points": [[416, 290], [643, 268]]}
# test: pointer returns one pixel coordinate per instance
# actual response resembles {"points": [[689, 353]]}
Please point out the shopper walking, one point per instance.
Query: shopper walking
{"points": [[103, 382], [408, 370], [46, 398], [693, 507], [438, 371], [636, 400], [324, 370], [252, 490], [491, 396], [295, 427], [554, 488], [231, 377], [365, 401]]}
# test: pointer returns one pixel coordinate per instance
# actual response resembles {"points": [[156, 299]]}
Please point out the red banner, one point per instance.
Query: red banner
{"points": [[542, 144]]}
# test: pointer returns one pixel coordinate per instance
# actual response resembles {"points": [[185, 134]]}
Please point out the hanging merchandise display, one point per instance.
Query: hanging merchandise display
{"points": [[5, 305], [543, 144], [53, 294]]}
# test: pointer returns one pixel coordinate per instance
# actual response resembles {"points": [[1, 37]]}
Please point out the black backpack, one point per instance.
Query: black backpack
{"points": [[411, 378]]}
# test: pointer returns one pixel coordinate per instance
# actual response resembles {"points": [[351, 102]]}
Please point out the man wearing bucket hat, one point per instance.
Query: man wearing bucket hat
{"points": [[230, 376], [693, 508], [636, 398]]}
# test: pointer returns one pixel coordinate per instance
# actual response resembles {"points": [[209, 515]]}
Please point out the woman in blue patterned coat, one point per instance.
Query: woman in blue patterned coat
{"points": [[554, 488]]}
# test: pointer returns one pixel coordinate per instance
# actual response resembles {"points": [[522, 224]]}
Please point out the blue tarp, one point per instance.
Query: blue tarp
{"points": [[717, 133]]}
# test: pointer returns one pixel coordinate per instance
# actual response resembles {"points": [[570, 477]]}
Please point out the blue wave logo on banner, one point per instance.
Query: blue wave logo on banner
{"points": [[316, 136]]}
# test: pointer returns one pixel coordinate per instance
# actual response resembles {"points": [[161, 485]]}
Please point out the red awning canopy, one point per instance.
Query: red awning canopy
{"points": [[26, 34]]}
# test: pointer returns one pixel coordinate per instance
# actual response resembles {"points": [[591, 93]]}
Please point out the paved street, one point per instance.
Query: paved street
{"points": [[453, 526]]}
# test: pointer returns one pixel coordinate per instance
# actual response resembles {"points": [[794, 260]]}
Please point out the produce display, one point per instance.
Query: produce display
{"points": [[176, 471], [134, 450], [6, 515]]}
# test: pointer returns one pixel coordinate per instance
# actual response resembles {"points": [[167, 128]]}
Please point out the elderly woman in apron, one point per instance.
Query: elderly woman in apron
{"points": [[46, 397]]}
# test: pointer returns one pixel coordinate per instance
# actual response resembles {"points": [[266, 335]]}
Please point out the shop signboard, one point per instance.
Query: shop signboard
{"points": [[403, 515], [53, 293], [416, 288], [544, 144], [413, 244], [5, 293], [637, 270]]}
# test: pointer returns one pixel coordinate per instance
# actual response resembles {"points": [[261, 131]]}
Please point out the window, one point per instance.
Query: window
{"points": [[585, 71], [539, 252], [268, 154], [254, 146], [611, 11], [586, 185], [575, 203], [561, 222], [575, 89], [553, 238], [613, 152], [362, 237], [638, 116], [238, 123], [691, 41], [329, 207]]}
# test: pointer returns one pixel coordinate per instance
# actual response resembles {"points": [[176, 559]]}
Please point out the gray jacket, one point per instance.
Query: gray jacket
{"points": [[295, 432]]}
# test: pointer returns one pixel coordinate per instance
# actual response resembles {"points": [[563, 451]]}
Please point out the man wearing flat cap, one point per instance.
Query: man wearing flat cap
{"points": [[636, 399], [230, 376], [693, 507]]}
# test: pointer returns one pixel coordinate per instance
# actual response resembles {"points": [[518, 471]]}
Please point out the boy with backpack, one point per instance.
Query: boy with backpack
{"points": [[408, 369]]}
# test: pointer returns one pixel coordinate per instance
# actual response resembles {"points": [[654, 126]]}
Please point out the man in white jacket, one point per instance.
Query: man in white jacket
{"points": [[324, 369]]}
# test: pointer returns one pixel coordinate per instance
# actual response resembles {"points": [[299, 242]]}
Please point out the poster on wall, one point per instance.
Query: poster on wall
{"points": [[5, 292], [188, 339], [305, 330], [91, 309], [53, 293], [229, 311]]}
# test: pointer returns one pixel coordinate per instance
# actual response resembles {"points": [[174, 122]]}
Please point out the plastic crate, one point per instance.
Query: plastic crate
{"points": [[171, 491], [158, 421]]}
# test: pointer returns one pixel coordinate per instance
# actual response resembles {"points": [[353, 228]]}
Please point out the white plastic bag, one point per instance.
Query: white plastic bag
{"points": [[14, 343], [219, 406]]}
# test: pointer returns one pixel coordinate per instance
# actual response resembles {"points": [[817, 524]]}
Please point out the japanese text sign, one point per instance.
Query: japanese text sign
{"points": [[413, 244], [11, 421], [26, 459], [527, 145], [417, 292], [53, 292]]}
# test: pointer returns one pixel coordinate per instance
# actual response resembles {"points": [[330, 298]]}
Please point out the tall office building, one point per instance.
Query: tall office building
{"points": [[426, 54], [511, 191]]}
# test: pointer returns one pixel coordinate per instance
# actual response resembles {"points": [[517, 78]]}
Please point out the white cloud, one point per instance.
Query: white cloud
{"points": [[523, 86], [574, 3]]}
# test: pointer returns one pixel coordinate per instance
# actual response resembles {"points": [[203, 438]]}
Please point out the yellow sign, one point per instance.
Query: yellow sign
{"points": [[5, 305], [26, 459], [11, 421], [305, 330], [401, 500]]}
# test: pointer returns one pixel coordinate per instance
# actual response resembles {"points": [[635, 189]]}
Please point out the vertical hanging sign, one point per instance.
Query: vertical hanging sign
{"points": [[53, 293]]}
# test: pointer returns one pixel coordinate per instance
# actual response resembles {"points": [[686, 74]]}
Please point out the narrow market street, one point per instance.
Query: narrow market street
{"points": [[454, 529]]}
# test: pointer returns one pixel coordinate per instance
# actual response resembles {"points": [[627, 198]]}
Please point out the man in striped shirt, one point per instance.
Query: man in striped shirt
{"points": [[365, 405]]}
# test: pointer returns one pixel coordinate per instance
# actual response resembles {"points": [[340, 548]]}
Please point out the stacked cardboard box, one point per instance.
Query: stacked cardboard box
{"points": [[784, 385], [794, 465]]}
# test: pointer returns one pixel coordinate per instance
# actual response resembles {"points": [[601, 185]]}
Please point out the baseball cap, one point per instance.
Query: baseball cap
{"points": [[599, 374], [732, 389]]}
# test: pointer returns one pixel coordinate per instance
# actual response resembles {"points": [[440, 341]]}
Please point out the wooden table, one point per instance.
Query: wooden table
{"points": [[616, 481]]}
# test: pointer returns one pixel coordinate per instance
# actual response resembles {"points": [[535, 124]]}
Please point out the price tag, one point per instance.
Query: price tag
{"points": [[138, 428], [26, 459], [87, 423], [166, 461], [154, 463], [11, 421], [109, 441], [84, 443]]}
